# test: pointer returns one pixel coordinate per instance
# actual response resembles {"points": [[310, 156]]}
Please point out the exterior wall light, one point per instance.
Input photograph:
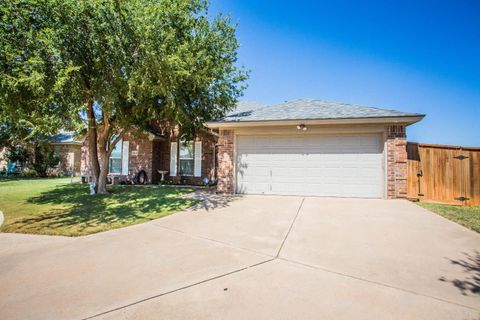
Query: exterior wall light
{"points": [[302, 127]]}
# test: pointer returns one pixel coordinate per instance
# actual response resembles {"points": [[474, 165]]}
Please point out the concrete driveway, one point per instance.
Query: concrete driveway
{"points": [[253, 257]]}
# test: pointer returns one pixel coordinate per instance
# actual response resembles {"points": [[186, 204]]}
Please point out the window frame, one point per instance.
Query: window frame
{"points": [[119, 143], [192, 159]]}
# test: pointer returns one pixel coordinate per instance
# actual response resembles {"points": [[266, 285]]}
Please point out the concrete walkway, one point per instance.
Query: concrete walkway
{"points": [[251, 258]]}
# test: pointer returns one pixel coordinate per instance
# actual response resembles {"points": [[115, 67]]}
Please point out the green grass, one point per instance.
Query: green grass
{"points": [[56, 207], [466, 216]]}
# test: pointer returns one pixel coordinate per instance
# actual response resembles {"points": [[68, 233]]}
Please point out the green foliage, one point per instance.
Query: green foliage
{"points": [[45, 159], [31, 70], [141, 60], [17, 153]]}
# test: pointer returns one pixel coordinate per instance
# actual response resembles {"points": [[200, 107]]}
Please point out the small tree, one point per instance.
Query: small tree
{"points": [[118, 64], [45, 159], [18, 153]]}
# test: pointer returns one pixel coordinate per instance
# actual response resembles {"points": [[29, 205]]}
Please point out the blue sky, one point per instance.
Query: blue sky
{"points": [[407, 55]]}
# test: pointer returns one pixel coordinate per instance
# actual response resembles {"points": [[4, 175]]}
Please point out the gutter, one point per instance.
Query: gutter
{"points": [[405, 120]]}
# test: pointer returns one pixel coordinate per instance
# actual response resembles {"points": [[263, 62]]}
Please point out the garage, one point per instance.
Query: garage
{"points": [[314, 148], [314, 165]]}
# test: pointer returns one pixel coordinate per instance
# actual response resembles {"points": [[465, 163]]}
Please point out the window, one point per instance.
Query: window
{"points": [[116, 159], [186, 158]]}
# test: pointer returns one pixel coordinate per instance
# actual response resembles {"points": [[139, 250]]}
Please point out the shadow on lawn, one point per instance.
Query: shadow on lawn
{"points": [[75, 210], [471, 268]]}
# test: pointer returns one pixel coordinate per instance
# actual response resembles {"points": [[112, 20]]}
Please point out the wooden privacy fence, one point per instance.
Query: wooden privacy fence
{"points": [[445, 174]]}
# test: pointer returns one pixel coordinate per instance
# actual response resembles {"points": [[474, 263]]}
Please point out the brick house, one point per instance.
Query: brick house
{"points": [[183, 162], [300, 147], [68, 148]]}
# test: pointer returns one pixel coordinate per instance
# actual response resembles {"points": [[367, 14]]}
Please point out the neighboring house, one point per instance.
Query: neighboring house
{"points": [[68, 148], [315, 148], [65, 145], [301, 147]]}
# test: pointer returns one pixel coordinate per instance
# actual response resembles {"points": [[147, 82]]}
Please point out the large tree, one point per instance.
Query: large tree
{"points": [[115, 64]]}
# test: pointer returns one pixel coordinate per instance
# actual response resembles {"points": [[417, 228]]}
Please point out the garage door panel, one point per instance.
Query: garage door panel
{"points": [[349, 166]]}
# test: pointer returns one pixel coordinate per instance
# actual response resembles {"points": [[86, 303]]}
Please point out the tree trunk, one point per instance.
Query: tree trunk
{"points": [[92, 144], [102, 178]]}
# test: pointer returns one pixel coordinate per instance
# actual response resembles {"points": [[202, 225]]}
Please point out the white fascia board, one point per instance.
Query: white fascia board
{"points": [[388, 120]]}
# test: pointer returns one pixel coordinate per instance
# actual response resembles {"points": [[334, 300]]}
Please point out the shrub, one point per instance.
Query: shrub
{"points": [[45, 160], [17, 152]]}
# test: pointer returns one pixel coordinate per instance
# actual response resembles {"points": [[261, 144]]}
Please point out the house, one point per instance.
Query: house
{"points": [[300, 147], [313, 147], [65, 145], [153, 153], [68, 148]]}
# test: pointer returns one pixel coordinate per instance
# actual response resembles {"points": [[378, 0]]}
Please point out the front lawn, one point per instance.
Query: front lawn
{"points": [[57, 207], [466, 216]]}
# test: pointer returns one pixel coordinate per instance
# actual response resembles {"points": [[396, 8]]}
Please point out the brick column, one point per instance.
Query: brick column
{"points": [[225, 162], [396, 162]]}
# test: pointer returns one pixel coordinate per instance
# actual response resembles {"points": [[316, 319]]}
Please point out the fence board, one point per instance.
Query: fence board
{"points": [[443, 177]]}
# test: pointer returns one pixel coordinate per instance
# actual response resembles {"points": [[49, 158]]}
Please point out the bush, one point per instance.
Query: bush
{"points": [[17, 153], [45, 160]]}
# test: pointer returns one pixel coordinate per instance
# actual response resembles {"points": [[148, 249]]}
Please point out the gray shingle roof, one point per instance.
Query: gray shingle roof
{"points": [[304, 109], [65, 137]]}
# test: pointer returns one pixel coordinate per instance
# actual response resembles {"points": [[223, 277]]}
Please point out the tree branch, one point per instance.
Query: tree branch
{"points": [[114, 142]]}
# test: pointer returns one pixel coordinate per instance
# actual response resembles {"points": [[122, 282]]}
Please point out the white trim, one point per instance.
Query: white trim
{"points": [[311, 130], [197, 163], [387, 120], [173, 159], [119, 143], [125, 157], [234, 162], [180, 158]]}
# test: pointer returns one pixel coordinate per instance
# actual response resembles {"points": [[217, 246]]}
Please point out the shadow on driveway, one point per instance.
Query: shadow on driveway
{"points": [[470, 285]]}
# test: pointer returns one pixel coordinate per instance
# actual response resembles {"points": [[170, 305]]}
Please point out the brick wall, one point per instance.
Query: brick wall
{"points": [[208, 156], [396, 162], [140, 155], [141, 150], [226, 179], [153, 155], [64, 151]]}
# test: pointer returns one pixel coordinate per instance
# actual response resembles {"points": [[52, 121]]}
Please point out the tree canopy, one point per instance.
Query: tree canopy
{"points": [[117, 64]]}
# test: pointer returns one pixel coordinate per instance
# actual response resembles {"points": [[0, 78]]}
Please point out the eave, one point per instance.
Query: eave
{"points": [[406, 120]]}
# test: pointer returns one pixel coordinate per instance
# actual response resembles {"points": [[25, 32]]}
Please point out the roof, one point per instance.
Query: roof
{"points": [[65, 138], [304, 109]]}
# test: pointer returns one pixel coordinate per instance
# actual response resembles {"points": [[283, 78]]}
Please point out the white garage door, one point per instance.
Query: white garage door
{"points": [[337, 166]]}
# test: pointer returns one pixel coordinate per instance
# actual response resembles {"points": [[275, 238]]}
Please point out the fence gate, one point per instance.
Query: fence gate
{"points": [[447, 174]]}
